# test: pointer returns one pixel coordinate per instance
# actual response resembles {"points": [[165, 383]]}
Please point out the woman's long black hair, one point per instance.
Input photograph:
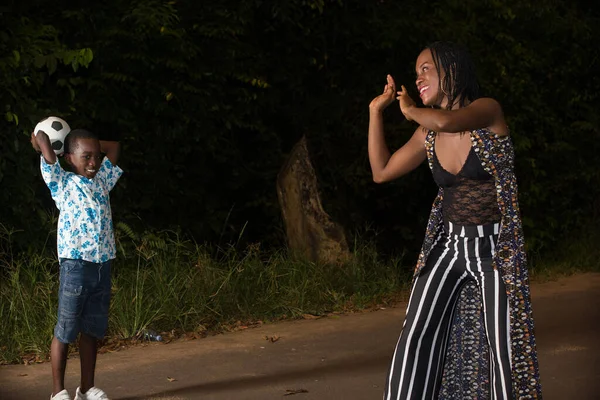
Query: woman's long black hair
{"points": [[459, 83]]}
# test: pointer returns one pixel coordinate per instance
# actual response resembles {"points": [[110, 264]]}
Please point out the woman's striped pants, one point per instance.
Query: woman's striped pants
{"points": [[460, 254]]}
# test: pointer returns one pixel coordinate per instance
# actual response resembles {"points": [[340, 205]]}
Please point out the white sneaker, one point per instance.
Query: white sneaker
{"points": [[62, 395], [93, 393]]}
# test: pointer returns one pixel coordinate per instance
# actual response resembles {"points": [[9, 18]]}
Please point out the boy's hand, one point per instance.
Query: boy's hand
{"points": [[34, 144], [112, 149], [41, 141]]}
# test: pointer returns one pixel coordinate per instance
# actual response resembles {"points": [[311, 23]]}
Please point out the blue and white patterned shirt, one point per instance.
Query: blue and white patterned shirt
{"points": [[85, 228]]}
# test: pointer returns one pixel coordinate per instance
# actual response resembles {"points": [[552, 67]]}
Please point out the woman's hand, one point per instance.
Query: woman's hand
{"points": [[406, 102], [386, 98]]}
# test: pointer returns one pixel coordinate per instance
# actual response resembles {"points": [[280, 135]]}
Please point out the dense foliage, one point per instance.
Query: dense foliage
{"points": [[209, 97]]}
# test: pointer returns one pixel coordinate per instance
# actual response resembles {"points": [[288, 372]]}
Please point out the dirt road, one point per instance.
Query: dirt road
{"points": [[342, 357]]}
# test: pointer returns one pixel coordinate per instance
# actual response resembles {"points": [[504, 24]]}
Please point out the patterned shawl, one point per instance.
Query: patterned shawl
{"points": [[496, 155]]}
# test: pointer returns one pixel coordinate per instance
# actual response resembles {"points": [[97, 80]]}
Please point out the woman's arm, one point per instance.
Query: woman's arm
{"points": [[386, 168], [481, 113]]}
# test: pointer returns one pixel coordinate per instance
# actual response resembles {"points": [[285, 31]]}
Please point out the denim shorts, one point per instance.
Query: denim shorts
{"points": [[83, 299]]}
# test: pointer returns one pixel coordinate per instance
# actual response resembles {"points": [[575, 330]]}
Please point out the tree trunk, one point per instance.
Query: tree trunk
{"points": [[310, 230]]}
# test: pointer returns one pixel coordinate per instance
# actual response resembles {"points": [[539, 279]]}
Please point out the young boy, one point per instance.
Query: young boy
{"points": [[86, 247]]}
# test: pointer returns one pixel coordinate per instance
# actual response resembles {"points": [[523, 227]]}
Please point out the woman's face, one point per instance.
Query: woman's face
{"points": [[428, 80]]}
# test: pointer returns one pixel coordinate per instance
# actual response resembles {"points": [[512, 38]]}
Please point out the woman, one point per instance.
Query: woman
{"points": [[468, 332]]}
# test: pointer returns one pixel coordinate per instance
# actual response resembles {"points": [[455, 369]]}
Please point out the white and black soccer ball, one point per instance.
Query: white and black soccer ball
{"points": [[56, 129]]}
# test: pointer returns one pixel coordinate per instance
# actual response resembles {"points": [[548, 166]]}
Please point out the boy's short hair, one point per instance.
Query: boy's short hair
{"points": [[76, 134]]}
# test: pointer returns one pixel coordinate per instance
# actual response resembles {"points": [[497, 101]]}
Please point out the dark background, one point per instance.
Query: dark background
{"points": [[208, 99]]}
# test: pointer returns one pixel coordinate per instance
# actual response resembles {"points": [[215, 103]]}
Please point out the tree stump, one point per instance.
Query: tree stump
{"points": [[310, 230]]}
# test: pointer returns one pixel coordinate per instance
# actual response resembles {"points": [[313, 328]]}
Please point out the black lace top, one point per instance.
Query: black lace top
{"points": [[470, 195]]}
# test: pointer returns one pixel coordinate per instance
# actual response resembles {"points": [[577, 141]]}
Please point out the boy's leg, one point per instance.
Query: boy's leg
{"points": [[71, 298], [88, 346], [94, 319], [58, 354]]}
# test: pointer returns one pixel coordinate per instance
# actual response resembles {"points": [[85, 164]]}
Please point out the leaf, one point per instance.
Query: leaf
{"points": [[171, 379], [51, 64], [68, 57], [39, 61], [85, 56], [273, 338]]}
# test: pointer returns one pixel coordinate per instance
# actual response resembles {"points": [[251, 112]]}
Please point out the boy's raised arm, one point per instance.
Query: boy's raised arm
{"points": [[112, 149], [41, 142]]}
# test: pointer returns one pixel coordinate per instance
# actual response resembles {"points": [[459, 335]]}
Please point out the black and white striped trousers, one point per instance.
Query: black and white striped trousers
{"points": [[460, 254]]}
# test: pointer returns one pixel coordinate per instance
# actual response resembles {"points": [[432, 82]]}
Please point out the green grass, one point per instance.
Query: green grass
{"points": [[166, 283], [28, 302], [170, 284], [577, 253]]}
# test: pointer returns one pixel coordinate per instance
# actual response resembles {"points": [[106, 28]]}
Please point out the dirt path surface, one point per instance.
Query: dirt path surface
{"points": [[329, 358]]}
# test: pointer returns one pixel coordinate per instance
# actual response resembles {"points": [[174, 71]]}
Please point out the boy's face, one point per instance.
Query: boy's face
{"points": [[85, 158]]}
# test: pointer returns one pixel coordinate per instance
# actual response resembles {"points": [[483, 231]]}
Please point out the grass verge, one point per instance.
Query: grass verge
{"points": [[170, 284], [175, 286]]}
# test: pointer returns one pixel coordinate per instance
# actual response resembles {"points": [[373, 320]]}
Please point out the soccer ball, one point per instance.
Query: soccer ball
{"points": [[56, 129]]}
